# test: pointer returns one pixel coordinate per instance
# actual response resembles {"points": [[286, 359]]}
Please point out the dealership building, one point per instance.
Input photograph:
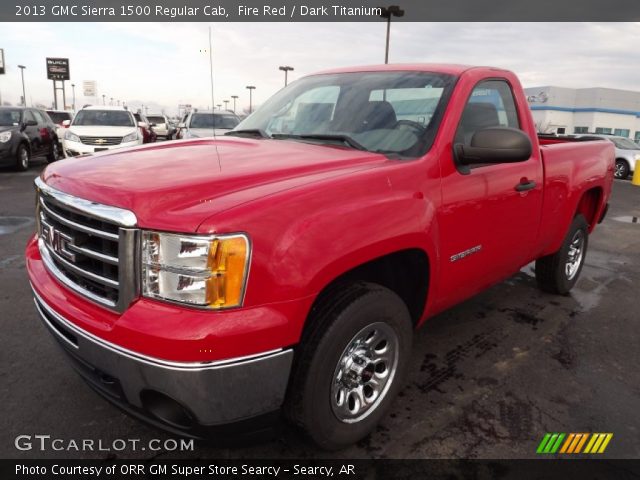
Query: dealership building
{"points": [[585, 110]]}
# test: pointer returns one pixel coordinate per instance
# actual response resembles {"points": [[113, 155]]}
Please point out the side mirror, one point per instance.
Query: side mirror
{"points": [[30, 123], [495, 145], [66, 123]]}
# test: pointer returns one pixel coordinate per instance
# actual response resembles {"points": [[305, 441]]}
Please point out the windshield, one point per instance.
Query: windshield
{"points": [[624, 143], [389, 112], [110, 118], [213, 120], [10, 117], [153, 119], [59, 117]]}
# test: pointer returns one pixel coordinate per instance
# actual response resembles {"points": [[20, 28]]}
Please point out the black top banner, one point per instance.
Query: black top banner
{"points": [[318, 11]]}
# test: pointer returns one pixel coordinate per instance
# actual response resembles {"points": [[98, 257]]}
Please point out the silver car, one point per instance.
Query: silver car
{"points": [[627, 152], [162, 126], [206, 124]]}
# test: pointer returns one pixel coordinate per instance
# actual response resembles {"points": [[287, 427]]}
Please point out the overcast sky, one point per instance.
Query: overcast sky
{"points": [[166, 64]]}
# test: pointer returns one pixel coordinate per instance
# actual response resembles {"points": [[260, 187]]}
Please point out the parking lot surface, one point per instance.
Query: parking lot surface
{"points": [[489, 377]]}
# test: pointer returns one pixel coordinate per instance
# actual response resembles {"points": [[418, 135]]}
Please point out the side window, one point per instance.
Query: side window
{"points": [[28, 115], [491, 105], [39, 117]]}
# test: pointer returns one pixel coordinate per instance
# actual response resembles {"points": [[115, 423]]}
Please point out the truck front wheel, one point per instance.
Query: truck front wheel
{"points": [[558, 273], [351, 364]]}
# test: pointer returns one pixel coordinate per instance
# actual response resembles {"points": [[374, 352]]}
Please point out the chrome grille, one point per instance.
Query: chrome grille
{"points": [[91, 248], [100, 141]]}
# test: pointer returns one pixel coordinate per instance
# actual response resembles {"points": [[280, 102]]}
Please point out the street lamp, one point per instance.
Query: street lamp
{"points": [[73, 89], [251, 88], [103, 97], [388, 12], [226, 104], [111, 101], [218, 105], [285, 69], [24, 95], [235, 97]]}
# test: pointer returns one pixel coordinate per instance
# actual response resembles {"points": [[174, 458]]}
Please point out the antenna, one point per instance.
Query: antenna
{"points": [[213, 115]]}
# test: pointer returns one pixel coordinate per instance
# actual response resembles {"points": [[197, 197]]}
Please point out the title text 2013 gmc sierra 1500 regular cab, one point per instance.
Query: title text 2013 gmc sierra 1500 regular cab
{"points": [[284, 267]]}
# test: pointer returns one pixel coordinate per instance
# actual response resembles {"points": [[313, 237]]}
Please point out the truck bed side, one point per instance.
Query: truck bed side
{"points": [[578, 177]]}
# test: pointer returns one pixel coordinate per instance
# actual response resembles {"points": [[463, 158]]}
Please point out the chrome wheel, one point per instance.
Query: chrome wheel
{"points": [[575, 253], [620, 170], [24, 158], [364, 372]]}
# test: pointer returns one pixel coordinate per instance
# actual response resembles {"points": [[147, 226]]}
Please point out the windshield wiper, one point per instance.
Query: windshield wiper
{"points": [[331, 137], [251, 132]]}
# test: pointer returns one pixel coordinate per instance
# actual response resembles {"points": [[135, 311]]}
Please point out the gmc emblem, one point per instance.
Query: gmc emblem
{"points": [[58, 242]]}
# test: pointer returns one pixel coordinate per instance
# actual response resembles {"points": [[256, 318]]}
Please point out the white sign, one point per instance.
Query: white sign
{"points": [[90, 88]]}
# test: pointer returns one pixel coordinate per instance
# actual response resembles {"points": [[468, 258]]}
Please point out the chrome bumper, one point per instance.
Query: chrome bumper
{"points": [[214, 393]]}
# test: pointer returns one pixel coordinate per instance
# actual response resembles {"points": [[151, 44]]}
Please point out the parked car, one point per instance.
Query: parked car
{"points": [[162, 126], [287, 268], [207, 124], [98, 128], [58, 117], [146, 128], [26, 133], [627, 152]]}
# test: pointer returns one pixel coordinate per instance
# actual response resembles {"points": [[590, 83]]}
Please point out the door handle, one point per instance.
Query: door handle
{"points": [[525, 185]]}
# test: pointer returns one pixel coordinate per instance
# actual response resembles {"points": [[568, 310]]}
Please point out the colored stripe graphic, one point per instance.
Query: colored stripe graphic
{"points": [[573, 443]]}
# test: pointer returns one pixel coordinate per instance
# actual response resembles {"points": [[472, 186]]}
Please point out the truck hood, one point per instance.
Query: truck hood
{"points": [[101, 131], [175, 186]]}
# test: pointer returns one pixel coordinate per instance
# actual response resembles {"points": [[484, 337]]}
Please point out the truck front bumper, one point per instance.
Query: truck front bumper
{"points": [[185, 398]]}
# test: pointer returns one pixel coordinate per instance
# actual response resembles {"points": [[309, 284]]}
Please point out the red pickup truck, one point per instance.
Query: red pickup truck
{"points": [[284, 267]]}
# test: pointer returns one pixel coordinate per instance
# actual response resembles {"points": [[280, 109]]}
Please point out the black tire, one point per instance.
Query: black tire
{"points": [[336, 323], [54, 152], [622, 169], [552, 272], [22, 158]]}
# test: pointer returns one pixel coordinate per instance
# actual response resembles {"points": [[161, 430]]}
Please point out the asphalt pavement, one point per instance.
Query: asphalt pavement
{"points": [[489, 377]]}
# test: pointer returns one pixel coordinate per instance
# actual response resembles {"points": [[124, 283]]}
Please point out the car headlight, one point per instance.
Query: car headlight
{"points": [[72, 137], [5, 137], [203, 271], [132, 137]]}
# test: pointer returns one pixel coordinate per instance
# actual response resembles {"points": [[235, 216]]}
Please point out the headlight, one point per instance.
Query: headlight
{"points": [[132, 137], [204, 271], [72, 137], [188, 134], [5, 137]]}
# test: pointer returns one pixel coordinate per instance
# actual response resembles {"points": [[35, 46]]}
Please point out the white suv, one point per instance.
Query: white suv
{"points": [[98, 128], [627, 153]]}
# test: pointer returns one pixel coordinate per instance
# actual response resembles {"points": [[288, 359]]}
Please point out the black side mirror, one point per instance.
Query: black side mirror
{"points": [[494, 145], [30, 123]]}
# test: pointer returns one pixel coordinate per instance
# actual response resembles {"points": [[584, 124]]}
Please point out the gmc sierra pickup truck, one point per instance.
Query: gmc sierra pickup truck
{"points": [[282, 269]]}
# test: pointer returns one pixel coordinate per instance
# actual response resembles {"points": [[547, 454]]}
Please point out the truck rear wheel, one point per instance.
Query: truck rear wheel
{"points": [[351, 365], [558, 273]]}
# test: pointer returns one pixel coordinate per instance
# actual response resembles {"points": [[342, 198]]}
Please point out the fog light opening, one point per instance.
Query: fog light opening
{"points": [[166, 409]]}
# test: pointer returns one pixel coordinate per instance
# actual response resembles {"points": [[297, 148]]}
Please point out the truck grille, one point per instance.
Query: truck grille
{"points": [[100, 141], [89, 247]]}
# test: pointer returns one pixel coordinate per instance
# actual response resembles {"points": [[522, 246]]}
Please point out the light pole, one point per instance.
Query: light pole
{"points": [[226, 104], [103, 97], [388, 12], [251, 88], [73, 104], [285, 69], [24, 94], [219, 105], [235, 97], [111, 101]]}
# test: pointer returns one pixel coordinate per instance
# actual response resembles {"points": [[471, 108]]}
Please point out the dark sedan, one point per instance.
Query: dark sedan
{"points": [[24, 134]]}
